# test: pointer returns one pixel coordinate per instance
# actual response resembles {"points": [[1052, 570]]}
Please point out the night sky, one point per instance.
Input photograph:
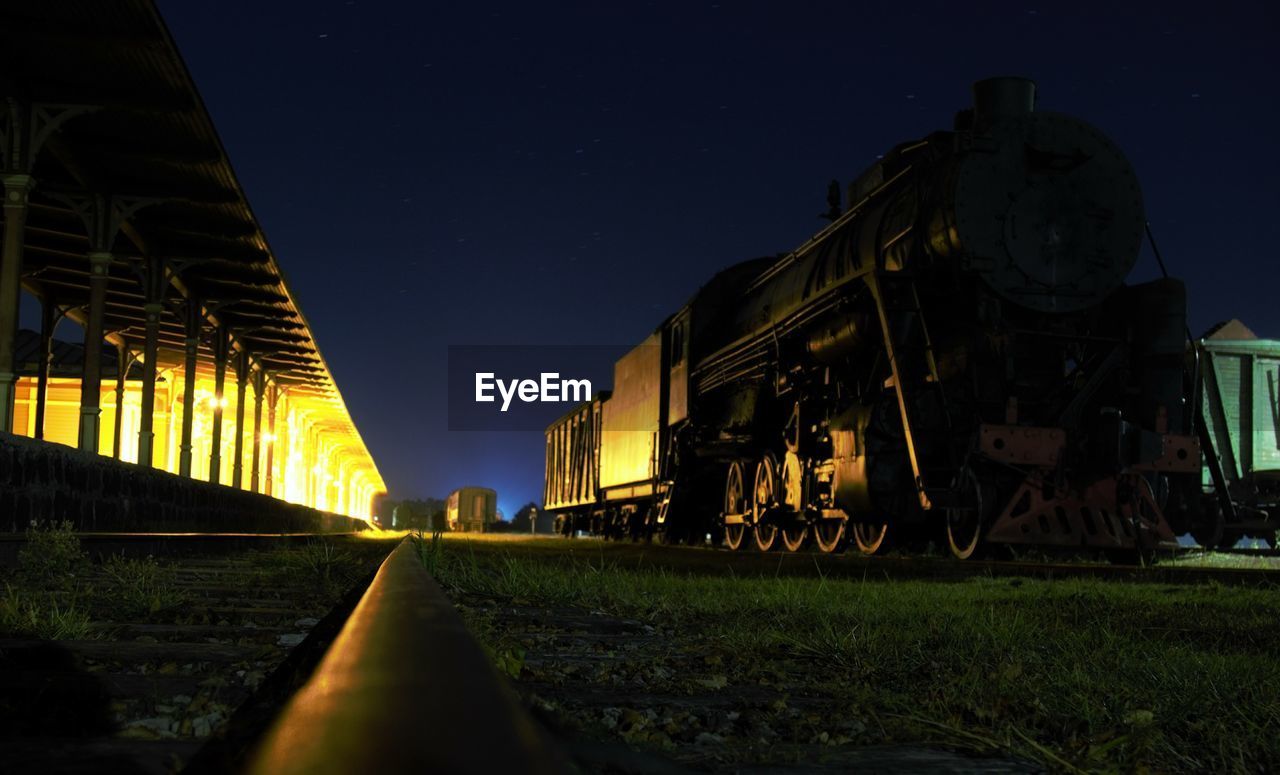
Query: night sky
{"points": [[434, 174]]}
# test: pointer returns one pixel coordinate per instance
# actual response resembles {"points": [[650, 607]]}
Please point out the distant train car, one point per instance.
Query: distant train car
{"points": [[471, 509], [1240, 411]]}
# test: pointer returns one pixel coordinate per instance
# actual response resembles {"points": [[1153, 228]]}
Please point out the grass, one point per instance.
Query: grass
{"points": [[40, 600], [332, 567], [1224, 560], [428, 551], [51, 556], [140, 587], [1077, 674], [40, 615], [54, 587]]}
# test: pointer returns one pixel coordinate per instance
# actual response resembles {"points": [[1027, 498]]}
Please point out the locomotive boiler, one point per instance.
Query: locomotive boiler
{"points": [[955, 357]]}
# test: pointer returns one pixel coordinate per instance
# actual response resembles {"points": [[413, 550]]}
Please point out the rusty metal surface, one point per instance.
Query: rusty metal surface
{"points": [[404, 688], [1022, 444], [1099, 515]]}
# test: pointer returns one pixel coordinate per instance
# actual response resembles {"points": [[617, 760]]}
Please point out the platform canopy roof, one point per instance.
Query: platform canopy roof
{"points": [[128, 122]]}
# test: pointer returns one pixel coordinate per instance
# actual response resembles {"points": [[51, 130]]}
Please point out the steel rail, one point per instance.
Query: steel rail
{"points": [[404, 688]]}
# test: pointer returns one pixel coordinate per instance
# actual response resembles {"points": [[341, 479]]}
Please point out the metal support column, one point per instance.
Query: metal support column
{"points": [[91, 381], [17, 189], [192, 344], [25, 128], [219, 402], [150, 352], [309, 459], [259, 388], [154, 282], [48, 320], [273, 395], [242, 382], [284, 442], [123, 362]]}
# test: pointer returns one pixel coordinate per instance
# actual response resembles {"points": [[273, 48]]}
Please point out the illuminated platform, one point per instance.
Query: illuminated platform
{"points": [[122, 213]]}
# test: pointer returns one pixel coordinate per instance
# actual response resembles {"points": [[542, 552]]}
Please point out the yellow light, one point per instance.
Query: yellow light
{"points": [[221, 402], [267, 438]]}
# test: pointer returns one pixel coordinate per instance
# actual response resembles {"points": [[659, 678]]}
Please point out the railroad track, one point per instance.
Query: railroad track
{"points": [[267, 654], [160, 656], [270, 652]]}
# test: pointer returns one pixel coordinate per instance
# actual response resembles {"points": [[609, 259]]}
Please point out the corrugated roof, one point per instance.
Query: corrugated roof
{"points": [[67, 360]]}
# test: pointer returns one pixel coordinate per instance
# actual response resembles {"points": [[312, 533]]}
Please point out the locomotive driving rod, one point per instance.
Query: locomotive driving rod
{"points": [[404, 688], [873, 283]]}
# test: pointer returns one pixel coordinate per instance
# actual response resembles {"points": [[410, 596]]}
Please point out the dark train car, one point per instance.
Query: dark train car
{"points": [[1240, 411], [955, 356]]}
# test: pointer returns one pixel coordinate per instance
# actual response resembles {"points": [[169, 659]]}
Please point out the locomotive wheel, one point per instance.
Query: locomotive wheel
{"points": [[735, 502], [869, 536], [829, 535], [764, 499], [795, 535], [965, 522], [1139, 508]]}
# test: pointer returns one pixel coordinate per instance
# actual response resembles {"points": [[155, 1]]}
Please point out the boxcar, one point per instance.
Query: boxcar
{"points": [[1240, 411], [572, 481], [471, 509]]}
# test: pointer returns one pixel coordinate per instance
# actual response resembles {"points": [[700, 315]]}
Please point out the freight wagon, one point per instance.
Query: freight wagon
{"points": [[1240, 416], [471, 509]]}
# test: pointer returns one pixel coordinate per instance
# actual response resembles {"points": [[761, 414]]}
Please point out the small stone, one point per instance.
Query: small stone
{"points": [[203, 726], [290, 639], [609, 717], [707, 738], [137, 733], [307, 622], [159, 725]]}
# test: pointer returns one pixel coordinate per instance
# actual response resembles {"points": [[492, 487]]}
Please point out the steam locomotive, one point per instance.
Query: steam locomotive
{"points": [[956, 357]]}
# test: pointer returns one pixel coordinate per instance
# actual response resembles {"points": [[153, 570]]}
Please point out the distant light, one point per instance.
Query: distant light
{"points": [[267, 438]]}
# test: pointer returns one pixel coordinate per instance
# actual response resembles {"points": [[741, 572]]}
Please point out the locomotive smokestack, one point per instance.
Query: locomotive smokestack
{"points": [[999, 99]]}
